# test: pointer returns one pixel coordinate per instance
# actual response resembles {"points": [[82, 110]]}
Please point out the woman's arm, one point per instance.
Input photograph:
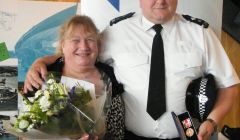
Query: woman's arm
{"points": [[37, 72]]}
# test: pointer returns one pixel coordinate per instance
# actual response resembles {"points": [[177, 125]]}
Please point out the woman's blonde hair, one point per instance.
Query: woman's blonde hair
{"points": [[68, 27]]}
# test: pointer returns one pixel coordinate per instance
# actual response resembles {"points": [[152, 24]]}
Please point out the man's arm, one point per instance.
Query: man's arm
{"points": [[37, 72], [224, 103]]}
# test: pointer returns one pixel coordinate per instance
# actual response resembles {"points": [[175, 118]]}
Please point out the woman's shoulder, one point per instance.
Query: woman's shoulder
{"points": [[107, 69], [57, 66], [101, 65], [117, 88]]}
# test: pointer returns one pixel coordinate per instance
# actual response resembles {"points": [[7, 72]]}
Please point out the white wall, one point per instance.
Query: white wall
{"points": [[102, 11], [208, 10]]}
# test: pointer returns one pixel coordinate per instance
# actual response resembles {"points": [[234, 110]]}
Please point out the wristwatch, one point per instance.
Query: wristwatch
{"points": [[214, 124]]}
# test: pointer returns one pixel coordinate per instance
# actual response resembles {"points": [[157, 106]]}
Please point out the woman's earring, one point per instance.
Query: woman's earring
{"points": [[62, 59]]}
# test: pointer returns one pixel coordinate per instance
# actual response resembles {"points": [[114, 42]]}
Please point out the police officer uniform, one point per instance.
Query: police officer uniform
{"points": [[191, 49]]}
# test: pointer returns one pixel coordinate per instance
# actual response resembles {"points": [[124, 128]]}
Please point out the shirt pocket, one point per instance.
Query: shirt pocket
{"points": [[132, 69], [185, 64], [131, 60]]}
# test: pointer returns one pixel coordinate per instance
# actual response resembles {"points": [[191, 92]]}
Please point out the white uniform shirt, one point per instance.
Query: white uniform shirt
{"points": [[190, 50]]}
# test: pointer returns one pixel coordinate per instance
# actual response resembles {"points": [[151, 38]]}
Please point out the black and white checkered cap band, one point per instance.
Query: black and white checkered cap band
{"points": [[202, 97]]}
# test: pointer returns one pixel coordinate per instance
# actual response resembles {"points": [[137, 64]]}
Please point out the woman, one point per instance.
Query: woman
{"points": [[78, 51]]}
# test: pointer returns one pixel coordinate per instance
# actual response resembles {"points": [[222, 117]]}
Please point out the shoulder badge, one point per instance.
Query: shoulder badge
{"points": [[117, 19], [196, 20]]}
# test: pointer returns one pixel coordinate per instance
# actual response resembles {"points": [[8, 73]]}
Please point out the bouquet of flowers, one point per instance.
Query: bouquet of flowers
{"points": [[59, 110]]}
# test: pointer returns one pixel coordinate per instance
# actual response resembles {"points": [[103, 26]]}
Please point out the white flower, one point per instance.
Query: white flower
{"points": [[23, 124], [46, 93], [38, 93], [30, 126], [44, 102], [51, 87], [50, 81]]}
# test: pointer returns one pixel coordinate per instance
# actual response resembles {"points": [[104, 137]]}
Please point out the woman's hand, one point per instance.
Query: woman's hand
{"points": [[37, 73], [35, 76]]}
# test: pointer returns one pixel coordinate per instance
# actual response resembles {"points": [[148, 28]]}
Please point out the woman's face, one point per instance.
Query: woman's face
{"points": [[80, 48]]}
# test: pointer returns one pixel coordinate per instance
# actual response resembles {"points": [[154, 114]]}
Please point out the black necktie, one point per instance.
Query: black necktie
{"points": [[156, 104]]}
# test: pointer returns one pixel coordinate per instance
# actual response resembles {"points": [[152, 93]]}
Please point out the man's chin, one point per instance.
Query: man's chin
{"points": [[160, 19]]}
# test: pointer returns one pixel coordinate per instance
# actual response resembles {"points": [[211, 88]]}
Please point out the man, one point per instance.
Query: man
{"points": [[190, 50]]}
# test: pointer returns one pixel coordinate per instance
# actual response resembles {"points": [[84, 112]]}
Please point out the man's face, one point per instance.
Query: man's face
{"points": [[158, 11]]}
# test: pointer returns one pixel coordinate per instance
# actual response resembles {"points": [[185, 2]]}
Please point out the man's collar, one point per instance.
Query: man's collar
{"points": [[167, 27]]}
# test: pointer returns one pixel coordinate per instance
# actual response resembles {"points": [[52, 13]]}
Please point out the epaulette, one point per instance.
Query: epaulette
{"points": [[117, 19], [196, 20]]}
